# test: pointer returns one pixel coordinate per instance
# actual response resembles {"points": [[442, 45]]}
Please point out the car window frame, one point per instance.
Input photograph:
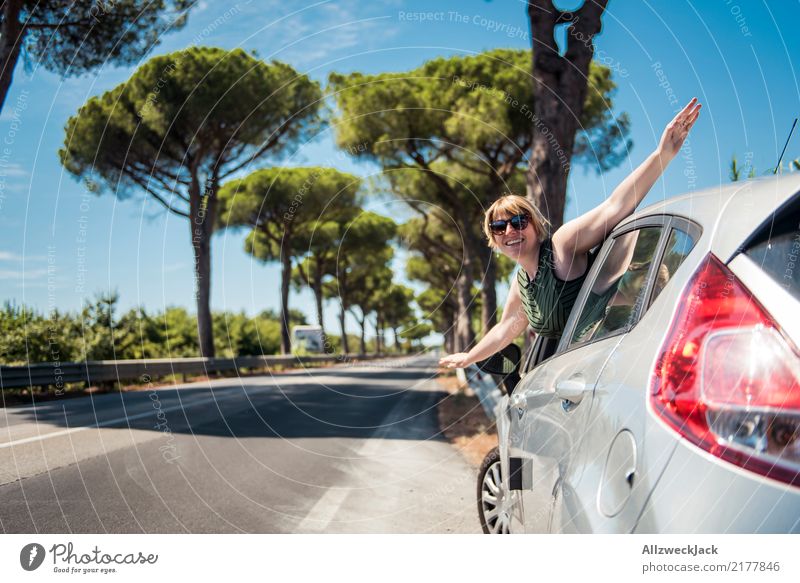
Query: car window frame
{"points": [[680, 223], [531, 354], [663, 221]]}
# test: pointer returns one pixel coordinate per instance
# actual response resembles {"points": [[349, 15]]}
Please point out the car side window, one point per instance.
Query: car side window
{"points": [[618, 291], [678, 246]]}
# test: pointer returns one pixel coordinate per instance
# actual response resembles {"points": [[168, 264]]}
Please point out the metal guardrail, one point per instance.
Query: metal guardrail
{"points": [[101, 371], [485, 385]]}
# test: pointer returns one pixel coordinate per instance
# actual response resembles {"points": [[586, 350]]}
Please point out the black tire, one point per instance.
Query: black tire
{"points": [[489, 474]]}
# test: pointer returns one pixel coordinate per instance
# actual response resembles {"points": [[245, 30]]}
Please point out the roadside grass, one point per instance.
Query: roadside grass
{"points": [[463, 421]]}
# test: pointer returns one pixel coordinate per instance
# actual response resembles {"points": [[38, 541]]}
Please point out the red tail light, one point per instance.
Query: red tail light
{"points": [[727, 380]]}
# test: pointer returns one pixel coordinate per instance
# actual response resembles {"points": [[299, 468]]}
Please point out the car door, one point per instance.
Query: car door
{"points": [[548, 413], [550, 407], [604, 487]]}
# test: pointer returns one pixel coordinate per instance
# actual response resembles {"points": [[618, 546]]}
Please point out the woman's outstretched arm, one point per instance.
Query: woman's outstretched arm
{"points": [[578, 236], [511, 325]]}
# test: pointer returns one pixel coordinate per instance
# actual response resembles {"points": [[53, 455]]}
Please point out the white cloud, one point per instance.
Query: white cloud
{"points": [[174, 267], [18, 274], [321, 31], [11, 256], [13, 170]]}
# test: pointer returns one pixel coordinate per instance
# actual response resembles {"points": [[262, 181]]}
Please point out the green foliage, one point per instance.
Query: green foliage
{"points": [[735, 173], [481, 104], [505, 266], [334, 343], [418, 332], [437, 307], [180, 332], [239, 334], [362, 269], [603, 141], [96, 333], [70, 37], [451, 137], [736, 170], [293, 212], [28, 336], [321, 263], [298, 208], [296, 317], [432, 241], [182, 124], [395, 304], [138, 335], [323, 248], [435, 238], [197, 112], [98, 325]]}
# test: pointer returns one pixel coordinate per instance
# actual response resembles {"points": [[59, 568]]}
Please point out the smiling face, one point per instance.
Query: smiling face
{"points": [[511, 242], [515, 243]]}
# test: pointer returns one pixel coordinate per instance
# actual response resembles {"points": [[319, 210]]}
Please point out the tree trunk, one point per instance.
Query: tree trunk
{"points": [[465, 336], [286, 277], [318, 299], [488, 292], [202, 216], [394, 335], [363, 323], [11, 37], [382, 334], [559, 92], [484, 258], [345, 344]]}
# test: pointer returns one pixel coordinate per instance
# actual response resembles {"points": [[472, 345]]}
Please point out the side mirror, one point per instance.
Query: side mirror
{"points": [[504, 364]]}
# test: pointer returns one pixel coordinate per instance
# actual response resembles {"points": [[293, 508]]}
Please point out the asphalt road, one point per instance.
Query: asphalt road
{"points": [[345, 449]]}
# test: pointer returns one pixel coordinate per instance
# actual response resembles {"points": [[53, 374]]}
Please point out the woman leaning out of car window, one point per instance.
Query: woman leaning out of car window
{"points": [[551, 270]]}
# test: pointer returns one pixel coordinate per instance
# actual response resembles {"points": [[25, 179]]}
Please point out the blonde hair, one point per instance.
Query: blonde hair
{"points": [[513, 204]]}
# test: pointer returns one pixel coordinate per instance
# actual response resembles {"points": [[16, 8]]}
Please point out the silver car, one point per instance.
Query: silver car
{"points": [[672, 401]]}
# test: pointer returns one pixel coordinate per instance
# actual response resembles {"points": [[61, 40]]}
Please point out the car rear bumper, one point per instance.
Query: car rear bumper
{"points": [[698, 493]]}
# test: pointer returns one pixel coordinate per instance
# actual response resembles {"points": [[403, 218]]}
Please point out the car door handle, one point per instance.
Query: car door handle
{"points": [[530, 400], [572, 390]]}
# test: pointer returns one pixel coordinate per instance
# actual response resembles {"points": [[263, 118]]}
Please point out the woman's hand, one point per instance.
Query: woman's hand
{"points": [[676, 131], [457, 360]]}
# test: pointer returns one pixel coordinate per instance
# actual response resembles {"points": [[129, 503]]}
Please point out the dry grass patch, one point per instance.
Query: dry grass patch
{"points": [[463, 420]]}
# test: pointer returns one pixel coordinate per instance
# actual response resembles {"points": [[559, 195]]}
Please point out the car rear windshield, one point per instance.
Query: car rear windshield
{"points": [[776, 247]]}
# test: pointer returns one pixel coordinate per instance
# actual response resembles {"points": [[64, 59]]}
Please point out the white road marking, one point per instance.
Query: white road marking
{"points": [[326, 508]]}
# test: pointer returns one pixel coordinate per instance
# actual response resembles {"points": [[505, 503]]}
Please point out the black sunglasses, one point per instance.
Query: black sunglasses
{"points": [[517, 222]]}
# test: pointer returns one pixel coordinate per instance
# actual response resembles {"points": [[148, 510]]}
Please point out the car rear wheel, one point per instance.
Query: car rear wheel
{"points": [[492, 498]]}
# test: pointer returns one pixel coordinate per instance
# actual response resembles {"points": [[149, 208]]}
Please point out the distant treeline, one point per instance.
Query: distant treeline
{"points": [[98, 333]]}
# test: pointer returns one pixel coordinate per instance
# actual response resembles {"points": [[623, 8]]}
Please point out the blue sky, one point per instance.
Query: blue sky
{"points": [[737, 57]]}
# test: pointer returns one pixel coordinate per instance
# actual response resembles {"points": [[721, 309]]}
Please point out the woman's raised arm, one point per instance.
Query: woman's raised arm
{"points": [[578, 236]]}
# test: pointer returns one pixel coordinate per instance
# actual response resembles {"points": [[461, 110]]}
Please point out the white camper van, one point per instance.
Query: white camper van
{"points": [[308, 338]]}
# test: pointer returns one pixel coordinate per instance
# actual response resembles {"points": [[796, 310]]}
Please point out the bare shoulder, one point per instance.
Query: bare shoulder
{"points": [[514, 285]]}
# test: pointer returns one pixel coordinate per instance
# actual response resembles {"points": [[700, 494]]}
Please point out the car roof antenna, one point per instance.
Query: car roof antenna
{"points": [[784, 147]]}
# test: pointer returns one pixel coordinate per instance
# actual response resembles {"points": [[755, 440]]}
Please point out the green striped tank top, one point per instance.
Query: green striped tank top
{"points": [[547, 299]]}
